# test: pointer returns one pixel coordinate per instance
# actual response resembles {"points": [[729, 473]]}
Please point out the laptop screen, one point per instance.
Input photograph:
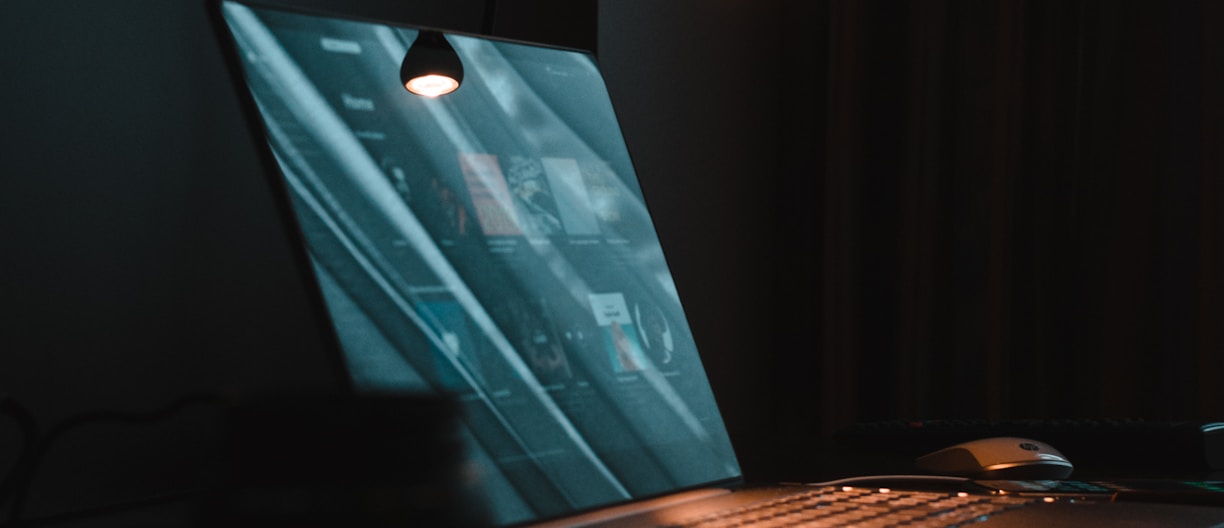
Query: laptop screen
{"points": [[492, 244]]}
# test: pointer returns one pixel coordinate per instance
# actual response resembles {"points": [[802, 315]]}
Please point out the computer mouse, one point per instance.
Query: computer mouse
{"points": [[999, 458]]}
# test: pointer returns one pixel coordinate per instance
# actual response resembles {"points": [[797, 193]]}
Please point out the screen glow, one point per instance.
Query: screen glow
{"points": [[493, 245]]}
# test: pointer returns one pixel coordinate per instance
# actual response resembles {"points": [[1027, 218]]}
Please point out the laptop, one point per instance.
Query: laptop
{"points": [[494, 245]]}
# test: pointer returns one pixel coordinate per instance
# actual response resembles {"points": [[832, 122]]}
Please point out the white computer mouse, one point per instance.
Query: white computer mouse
{"points": [[999, 458]]}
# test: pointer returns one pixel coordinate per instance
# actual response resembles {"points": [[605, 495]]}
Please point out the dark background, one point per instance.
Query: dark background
{"points": [[872, 210]]}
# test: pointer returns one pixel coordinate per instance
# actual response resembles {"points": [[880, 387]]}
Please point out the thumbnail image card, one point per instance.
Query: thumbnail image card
{"points": [[445, 209], [537, 210], [573, 200], [530, 328], [605, 192], [398, 177], [461, 348], [490, 194], [620, 339], [656, 333]]}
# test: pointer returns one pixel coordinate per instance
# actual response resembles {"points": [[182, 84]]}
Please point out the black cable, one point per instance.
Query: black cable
{"points": [[33, 454]]}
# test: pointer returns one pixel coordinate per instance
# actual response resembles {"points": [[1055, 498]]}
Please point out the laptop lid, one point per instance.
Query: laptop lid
{"points": [[492, 244]]}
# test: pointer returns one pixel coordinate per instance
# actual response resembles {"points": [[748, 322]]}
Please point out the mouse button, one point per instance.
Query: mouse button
{"points": [[1004, 449], [949, 461], [1045, 470]]}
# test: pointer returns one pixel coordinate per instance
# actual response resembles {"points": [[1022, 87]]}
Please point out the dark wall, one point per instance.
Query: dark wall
{"points": [[958, 209], [142, 255], [1020, 202]]}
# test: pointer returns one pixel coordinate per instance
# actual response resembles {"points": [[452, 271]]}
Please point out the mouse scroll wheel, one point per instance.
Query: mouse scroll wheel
{"points": [[1029, 446]]}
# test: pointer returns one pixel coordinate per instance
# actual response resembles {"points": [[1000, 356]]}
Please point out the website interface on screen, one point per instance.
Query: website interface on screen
{"points": [[492, 244]]}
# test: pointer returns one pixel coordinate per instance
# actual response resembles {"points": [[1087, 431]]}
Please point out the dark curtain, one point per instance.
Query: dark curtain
{"points": [[1002, 209]]}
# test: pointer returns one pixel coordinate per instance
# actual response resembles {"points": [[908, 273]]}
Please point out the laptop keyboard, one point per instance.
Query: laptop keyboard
{"points": [[862, 507]]}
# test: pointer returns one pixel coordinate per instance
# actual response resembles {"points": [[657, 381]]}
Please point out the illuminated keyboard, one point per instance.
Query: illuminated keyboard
{"points": [[862, 507]]}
